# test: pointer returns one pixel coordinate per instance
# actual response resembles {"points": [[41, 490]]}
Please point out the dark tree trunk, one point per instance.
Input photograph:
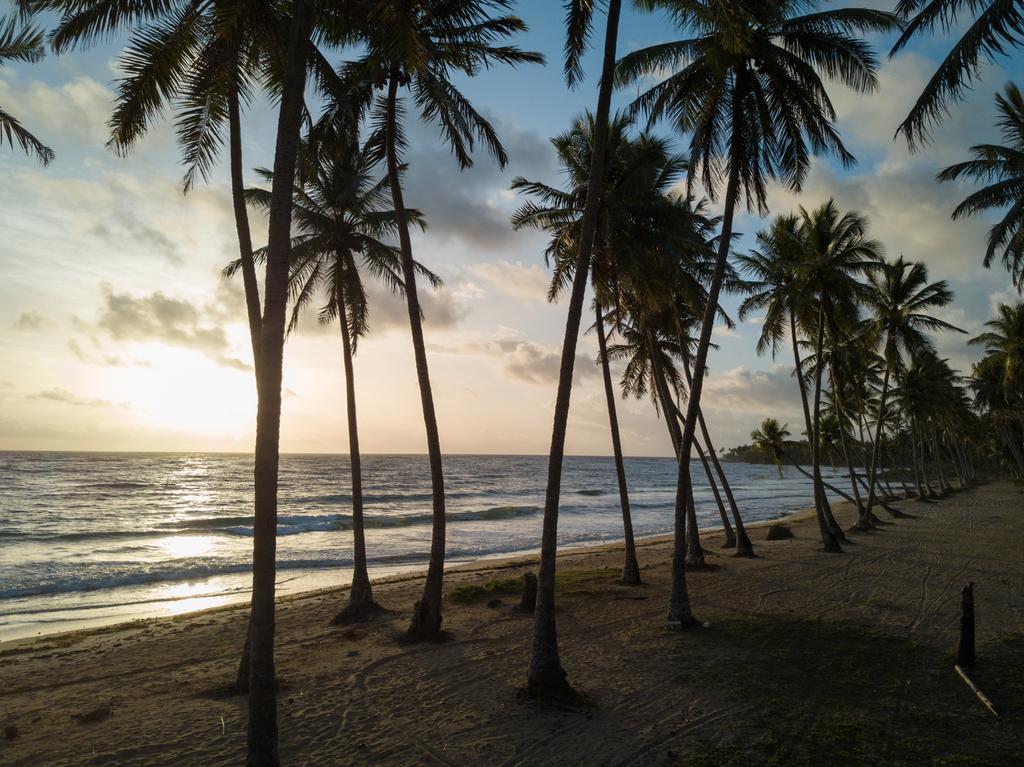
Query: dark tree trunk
{"points": [[827, 539], [426, 618], [546, 675], [360, 597], [630, 567], [876, 445], [679, 613], [262, 731], [744, 548], [694, 551], [936, 450], [730, 535], [250, 285], [831, 543]]}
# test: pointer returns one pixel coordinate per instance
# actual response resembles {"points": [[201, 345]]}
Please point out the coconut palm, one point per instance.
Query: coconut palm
{"points": [[746, 88], [342, 214], [998, 379], [900, 298], [996, 27], [1001, 168], [837, 250], [771, 438], [21, 43], [202, 63], [546, 675], [423, 45]]}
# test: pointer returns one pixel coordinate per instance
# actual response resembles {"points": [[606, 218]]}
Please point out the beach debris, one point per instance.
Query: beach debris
{"points": [[223, 727], [529, 599], [94, 716], [965, 650], [11, 731], [778, 531], [981, 696]]}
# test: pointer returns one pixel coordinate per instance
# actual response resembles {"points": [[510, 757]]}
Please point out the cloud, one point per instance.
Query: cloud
{"points": [[31, 320], [472, 205], [527, 361], [68, 398], [173, 321], [75, 110], [122, 229], [105, 360], [517, 280]]}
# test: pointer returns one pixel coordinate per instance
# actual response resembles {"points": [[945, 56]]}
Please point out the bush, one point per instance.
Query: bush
{"points": [[779, 532]]}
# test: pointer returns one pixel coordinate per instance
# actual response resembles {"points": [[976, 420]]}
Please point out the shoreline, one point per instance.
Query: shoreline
{"points": [[497, 562], [807, 653]]}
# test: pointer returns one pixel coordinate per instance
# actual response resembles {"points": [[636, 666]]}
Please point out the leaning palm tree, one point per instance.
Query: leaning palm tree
{"points": [[996, 27], [746, 88], [1001, 167], [342, 214], [1004, 346], [424, 45], [900, 298], [546, 675], [21, 44], [636, 171], [998, 379]]}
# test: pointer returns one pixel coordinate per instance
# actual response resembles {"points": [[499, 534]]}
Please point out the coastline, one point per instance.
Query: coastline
{"points": [[402, 574], [795, 628]]}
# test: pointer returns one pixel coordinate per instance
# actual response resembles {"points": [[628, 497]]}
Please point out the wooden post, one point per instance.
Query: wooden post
{"points": [[965, 652]]}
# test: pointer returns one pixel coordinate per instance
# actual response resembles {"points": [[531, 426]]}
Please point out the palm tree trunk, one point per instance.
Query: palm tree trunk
{"points": [[546, 675], [426, 618], [876, 445], [830, 543], [810, 476], [360, 596], [730, 535], [262, 731], [937, 452], [694, 551], [630, 567], [679, 612], [744, 548], [826, 535]]}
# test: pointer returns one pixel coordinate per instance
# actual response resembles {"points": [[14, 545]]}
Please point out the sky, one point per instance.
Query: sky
{"points": [[117, 331]]}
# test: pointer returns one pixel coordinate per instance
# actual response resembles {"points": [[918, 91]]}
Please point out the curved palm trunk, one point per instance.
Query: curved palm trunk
{"points": [[744, 548], [426, 618], [546, 675], [250, 284], [679, 612], [360, 597], [876, 447], [730, 534], [694, 551], [261, 743], [827, 539], [630, 567], [833, 526], [810, 476]]}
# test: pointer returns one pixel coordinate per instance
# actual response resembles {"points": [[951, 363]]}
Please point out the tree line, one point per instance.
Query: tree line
{"points": [[746, 89]]}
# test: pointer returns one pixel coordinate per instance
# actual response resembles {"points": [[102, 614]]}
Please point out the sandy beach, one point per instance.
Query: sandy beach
{"points": [[809, 659]]}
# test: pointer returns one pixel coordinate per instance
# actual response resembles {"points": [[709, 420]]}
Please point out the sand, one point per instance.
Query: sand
{"points": [[801, 642]]}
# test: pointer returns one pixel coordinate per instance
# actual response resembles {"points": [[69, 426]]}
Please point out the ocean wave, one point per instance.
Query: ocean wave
{"points": [[591, 491]]}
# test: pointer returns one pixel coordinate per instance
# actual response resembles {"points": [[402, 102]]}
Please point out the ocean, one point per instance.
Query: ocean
{"points": [[93, 538]]}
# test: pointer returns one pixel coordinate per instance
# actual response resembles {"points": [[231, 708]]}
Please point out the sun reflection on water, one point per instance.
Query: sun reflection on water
{"points": [[187, 545]]}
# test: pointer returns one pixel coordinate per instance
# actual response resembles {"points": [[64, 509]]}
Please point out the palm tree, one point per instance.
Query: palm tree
{"points": [[995, 28], [836, 251], [422, 45], [1001, 168], [900, 296], [24, 44], [341, 213], [771, 438], [204, 62], [546, 675], [638, 174], [740, 59], [998, 379]]}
